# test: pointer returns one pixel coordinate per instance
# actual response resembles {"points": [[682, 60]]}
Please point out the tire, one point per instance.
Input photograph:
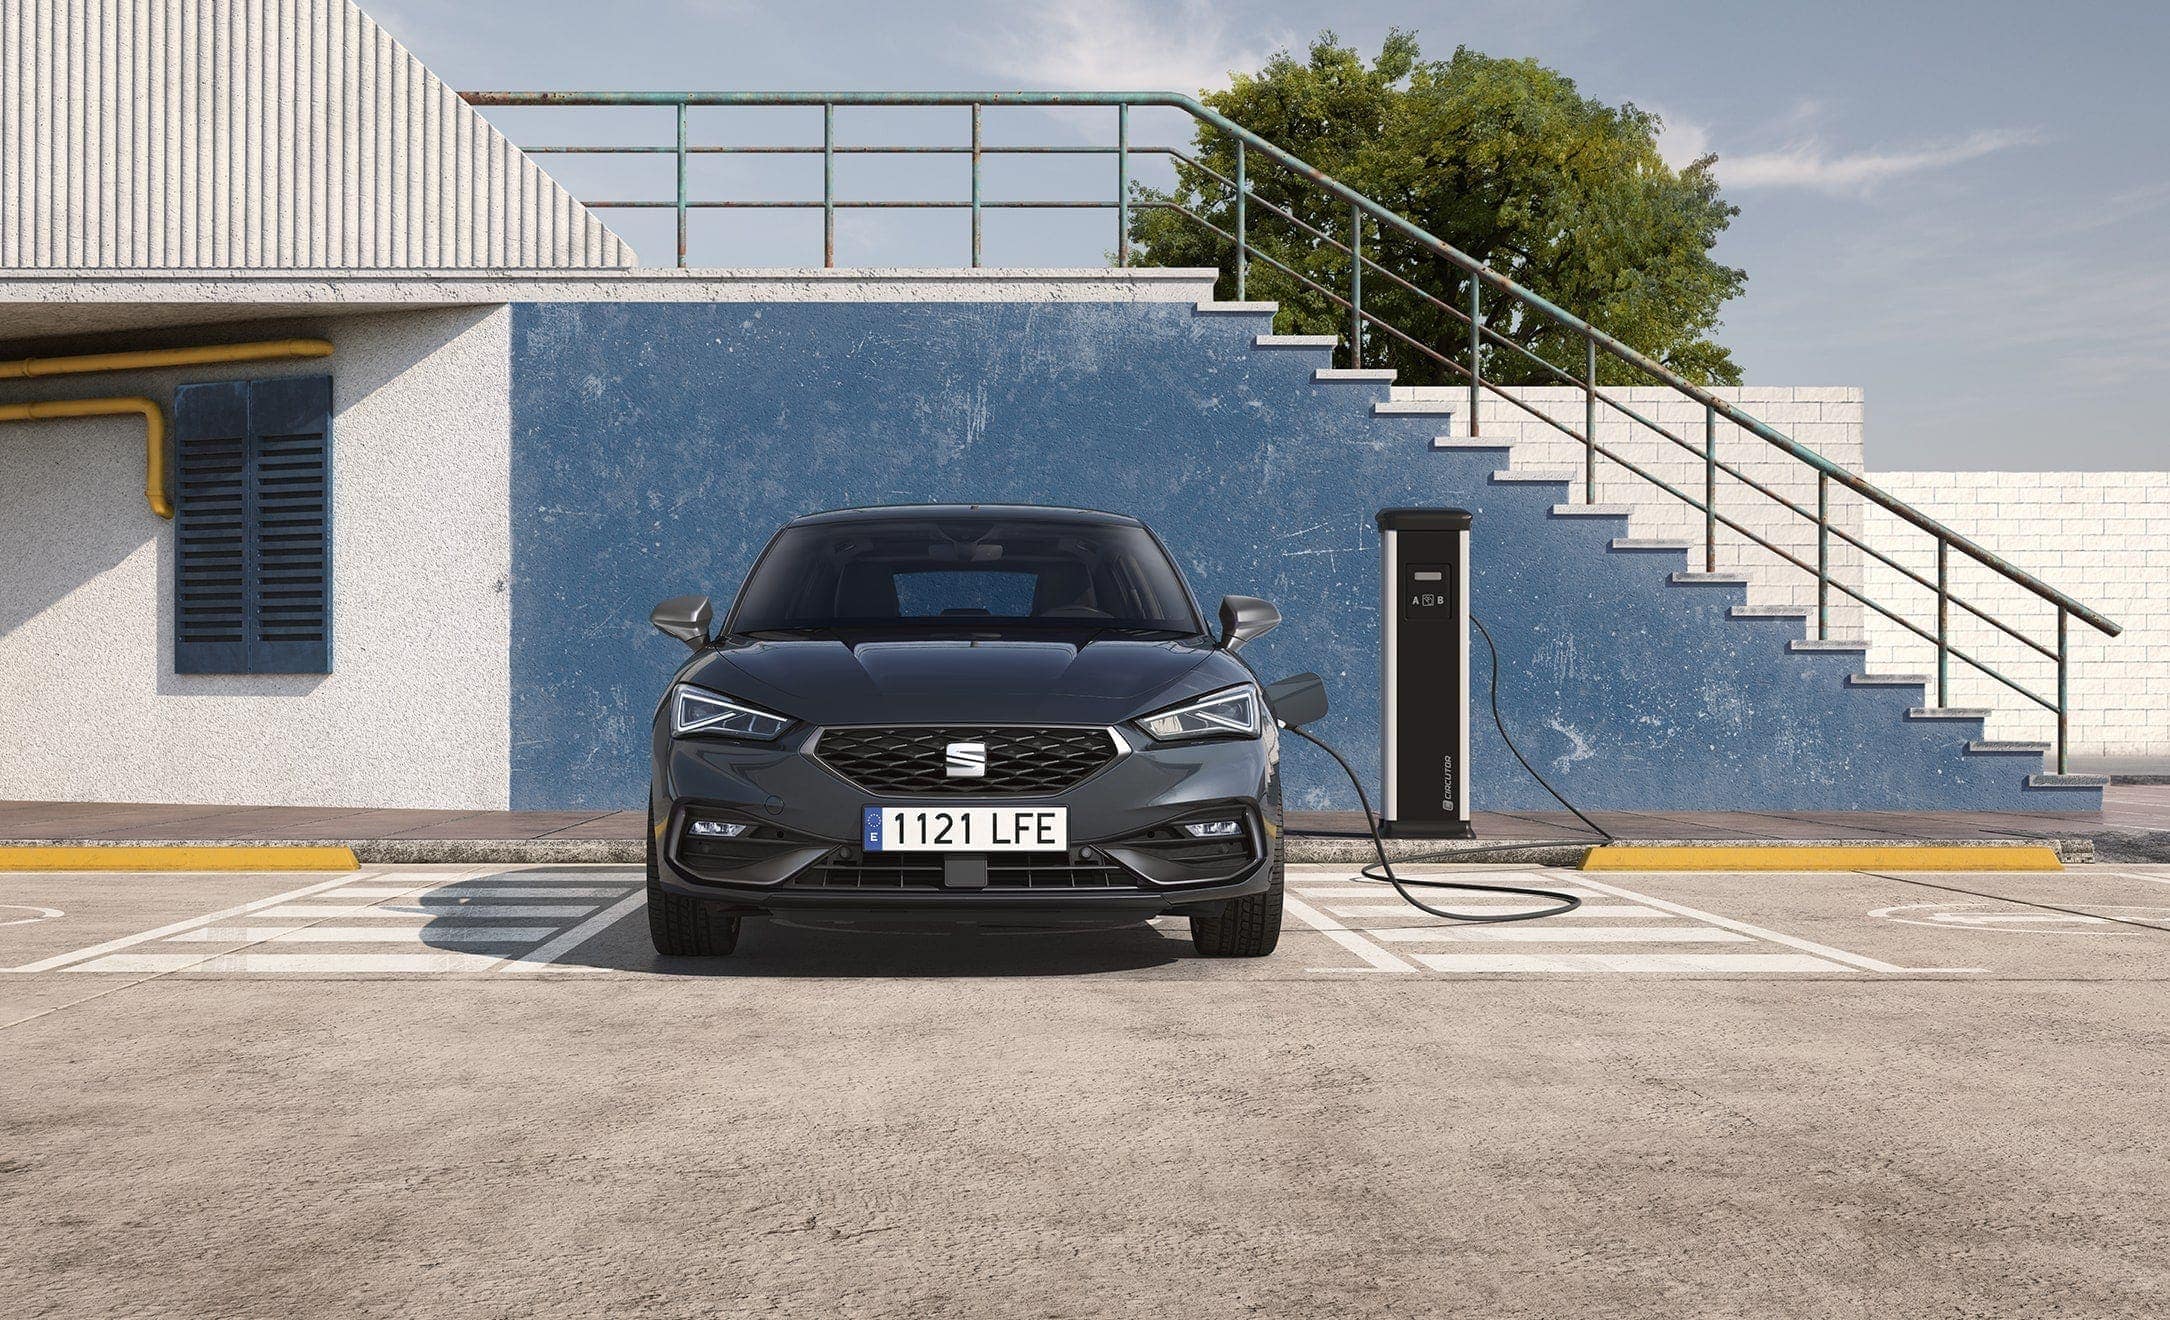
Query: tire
{"points": [[1247, 927], [682, 927]]}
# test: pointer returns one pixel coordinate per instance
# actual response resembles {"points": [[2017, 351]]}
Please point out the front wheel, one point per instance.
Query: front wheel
{"points": [[1247, 927], [682, 927]]}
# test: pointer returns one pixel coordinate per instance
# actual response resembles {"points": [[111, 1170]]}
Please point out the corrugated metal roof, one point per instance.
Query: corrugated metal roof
{"points": [[225, 134]]}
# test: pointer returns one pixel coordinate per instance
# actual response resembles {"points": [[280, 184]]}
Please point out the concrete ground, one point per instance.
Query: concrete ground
{"points": [[474, 1092]]}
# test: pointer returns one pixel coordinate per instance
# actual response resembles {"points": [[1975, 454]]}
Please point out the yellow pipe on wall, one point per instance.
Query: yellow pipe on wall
{"points": [[154, 419], [144, 359], [154, 434]]}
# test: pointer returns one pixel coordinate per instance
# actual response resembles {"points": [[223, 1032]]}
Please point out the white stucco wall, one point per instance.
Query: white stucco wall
{"points": [[415, 710], [2102, 538]]}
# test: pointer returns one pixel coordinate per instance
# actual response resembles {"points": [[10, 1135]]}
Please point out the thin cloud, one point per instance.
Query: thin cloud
{"points": [[1811, 164], [1681, 141], [1125, 45]]}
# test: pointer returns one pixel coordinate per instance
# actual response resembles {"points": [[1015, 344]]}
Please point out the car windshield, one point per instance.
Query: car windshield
{"points": [[979, 573]]}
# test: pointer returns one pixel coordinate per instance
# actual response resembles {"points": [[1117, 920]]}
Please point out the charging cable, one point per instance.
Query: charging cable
{"points": [[1384, 869]]}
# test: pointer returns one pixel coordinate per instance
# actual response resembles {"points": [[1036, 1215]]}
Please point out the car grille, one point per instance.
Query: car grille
{"points": [[1005, 871], [1021, 762]]}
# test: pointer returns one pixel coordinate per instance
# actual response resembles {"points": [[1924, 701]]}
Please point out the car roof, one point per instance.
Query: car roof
{"points": [[1031, 512]]}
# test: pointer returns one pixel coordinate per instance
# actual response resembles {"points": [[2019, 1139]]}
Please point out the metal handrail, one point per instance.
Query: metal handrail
{"points": [[1361, 207]]}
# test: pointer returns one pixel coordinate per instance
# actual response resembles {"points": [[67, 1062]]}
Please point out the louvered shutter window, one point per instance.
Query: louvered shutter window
{"points": [[252, 527]]}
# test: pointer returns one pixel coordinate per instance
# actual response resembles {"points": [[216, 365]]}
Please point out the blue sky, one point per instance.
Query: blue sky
{"points": [[1962, 207]]}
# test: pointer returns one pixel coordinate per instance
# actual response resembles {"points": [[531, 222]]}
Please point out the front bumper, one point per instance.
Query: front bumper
{"points": [[807, 819]]}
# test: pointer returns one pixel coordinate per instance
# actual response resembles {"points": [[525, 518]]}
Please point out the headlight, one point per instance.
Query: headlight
{"points": [[695, 711], [1231, 713]]}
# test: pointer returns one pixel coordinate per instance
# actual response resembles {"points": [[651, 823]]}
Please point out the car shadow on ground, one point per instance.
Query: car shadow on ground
{"points": [[768, 948]]}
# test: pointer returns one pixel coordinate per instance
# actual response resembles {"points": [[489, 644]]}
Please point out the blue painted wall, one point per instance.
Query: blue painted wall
{"points": [[657, 446]]}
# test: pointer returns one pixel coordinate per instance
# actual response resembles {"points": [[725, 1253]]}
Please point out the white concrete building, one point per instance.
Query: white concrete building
{"points": [[493, 499]]}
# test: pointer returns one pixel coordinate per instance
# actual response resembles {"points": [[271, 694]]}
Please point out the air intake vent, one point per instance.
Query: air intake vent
{"points": [[1078, 869]]}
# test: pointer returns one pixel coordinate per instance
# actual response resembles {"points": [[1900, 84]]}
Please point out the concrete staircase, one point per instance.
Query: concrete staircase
{"points": [[1960, 731]]}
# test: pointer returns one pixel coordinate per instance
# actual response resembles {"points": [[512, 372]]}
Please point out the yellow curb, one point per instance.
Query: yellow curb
{"points": [[1870, 857], [212, 858]]}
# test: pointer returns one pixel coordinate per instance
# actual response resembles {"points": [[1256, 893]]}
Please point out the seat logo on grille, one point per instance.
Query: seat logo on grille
{"points": [[966, 760]]}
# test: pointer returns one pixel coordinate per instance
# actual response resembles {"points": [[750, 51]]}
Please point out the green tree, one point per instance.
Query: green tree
{"points": [[1503, 159]]}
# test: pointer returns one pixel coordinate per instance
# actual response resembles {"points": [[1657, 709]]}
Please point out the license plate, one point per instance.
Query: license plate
{"points": [[967, 829]]}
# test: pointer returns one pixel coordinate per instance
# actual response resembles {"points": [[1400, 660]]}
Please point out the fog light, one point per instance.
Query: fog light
{"points": [[717, 829], [1213, 829]]}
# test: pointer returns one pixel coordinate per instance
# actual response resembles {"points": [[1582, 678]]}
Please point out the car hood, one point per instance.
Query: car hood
{"points": [[962, 681]]}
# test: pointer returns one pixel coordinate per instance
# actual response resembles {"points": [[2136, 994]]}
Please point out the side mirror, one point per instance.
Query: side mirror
{"points": [[1297, 700], [1245, 619], [684, 617]]}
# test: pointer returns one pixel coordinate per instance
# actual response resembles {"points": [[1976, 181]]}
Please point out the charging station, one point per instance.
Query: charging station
{"points": [[1424, 672]]}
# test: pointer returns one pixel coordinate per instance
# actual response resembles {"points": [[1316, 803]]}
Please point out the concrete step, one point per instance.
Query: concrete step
{"points": [[1239, 308], [1887, 680], [1709, 579], [1633, 545], [1532, 476], [2068, 781], [1961, 713], [1988, 748], [1592, 511], [1415, 410], [1846, 646], [1369, 375], [1464, 444], [1296, 341], [1768, 611]]}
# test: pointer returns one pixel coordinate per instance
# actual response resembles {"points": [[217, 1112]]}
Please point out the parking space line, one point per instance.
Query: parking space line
{"points": [[1548, 933], [1443, 896], [454, 892], [59, 960], [290, 963], [1343, 936], [1403, 912], [594, 873], [1625, 962], [1759, 932], [546, 954], [433, 912], [449, 932]]}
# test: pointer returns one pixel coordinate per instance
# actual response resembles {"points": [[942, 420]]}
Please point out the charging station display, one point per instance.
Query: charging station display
{"points": [[1424, 716]]}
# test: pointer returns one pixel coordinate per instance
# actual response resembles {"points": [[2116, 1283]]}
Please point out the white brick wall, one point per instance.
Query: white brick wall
{"points": [[2101, 537], [1826, 419]]}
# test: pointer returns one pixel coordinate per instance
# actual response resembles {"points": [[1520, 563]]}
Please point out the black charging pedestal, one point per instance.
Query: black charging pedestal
{"points": [[1424, 670]]}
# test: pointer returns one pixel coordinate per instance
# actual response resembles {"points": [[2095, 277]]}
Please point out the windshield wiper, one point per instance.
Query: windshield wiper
{"points": [[1136, 630]]}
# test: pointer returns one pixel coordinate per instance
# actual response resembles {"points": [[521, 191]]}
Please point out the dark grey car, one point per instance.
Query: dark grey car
{"points": [[965, 716]]}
